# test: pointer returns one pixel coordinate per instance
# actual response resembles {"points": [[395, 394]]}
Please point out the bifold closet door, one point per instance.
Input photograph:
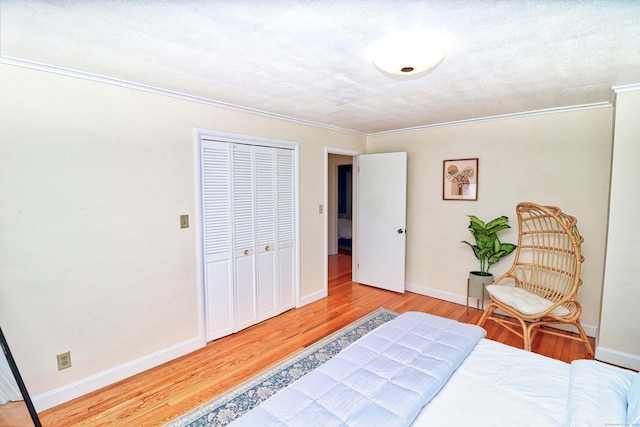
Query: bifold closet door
{"points": [[215, 166], [249, 228]]}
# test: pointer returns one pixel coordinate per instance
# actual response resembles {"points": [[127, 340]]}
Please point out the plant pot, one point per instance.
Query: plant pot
{"points": [[478, 281]]}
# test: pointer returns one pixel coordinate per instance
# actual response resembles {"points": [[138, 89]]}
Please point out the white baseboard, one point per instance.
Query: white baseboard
{"points": [[460, 299], [95, 382], [79, 388], [590, 330], [436, 293], [312, 298], [626, 360]]}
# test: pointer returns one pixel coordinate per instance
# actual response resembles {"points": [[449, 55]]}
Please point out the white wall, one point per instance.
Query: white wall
{"points": [[94, 178], [560, 159], [619, 335]]}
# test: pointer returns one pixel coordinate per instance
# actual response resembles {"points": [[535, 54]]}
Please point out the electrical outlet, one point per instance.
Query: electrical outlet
{"points": [[64, 360], [184, 221]]}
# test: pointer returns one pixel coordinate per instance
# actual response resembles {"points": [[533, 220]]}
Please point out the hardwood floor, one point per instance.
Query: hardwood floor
{"points": [[15, 414], [162, 394]]}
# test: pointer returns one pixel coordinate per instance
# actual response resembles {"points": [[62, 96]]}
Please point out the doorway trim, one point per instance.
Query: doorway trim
{"points": [[354, 244]]}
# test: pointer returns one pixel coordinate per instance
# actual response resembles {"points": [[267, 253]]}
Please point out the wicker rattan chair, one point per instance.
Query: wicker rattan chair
{"points": [[541, 287]]}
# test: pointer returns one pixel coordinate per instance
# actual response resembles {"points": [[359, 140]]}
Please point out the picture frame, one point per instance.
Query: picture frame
{"points": [[460, 179]]}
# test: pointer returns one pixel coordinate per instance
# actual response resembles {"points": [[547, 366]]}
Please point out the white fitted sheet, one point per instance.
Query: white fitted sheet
{"points": [[499, 385]]}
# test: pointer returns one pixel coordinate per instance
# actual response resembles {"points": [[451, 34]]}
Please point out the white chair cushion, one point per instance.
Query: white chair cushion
{"points": [[523, 301]]}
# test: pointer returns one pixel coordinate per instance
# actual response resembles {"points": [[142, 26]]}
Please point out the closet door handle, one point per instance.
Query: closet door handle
{"points": [[267, 248], [246, 251]]}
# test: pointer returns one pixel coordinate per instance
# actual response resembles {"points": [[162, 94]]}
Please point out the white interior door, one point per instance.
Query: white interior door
{"points": [[381, 226]]}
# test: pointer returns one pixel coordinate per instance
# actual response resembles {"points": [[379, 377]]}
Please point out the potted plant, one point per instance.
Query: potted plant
{"points": [[488, 249]]}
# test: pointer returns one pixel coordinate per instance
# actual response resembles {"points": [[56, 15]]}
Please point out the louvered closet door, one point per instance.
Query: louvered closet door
{"points": [[265, 181], [244, 235], [285, 229], [249, 228], [218, 272]]}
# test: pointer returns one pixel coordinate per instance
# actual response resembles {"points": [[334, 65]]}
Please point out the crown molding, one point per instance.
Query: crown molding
{"points": [[606, 104], [174, 94], [159, 91], [626, 88]]}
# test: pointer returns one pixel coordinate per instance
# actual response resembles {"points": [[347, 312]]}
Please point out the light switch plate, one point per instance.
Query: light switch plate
{"points": [[184, 221]]}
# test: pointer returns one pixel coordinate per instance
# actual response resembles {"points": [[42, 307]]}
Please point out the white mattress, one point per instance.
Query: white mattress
{"points": [[494, 386], [344, 228]]}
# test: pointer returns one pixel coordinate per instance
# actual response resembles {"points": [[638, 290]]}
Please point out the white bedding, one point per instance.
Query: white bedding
{"points": [[344, 228], [598, 394], [494, 386], [499, 385], [383, 379]]}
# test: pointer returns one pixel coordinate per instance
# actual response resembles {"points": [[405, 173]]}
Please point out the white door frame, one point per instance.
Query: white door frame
{"points": [[354, 224], [240, 139]]}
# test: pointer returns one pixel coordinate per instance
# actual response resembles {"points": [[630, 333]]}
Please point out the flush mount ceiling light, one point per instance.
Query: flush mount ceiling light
{"points": [[410, 54]]}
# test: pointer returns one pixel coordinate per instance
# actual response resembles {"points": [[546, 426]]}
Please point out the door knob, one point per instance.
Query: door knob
{"points": [[246, 251]]}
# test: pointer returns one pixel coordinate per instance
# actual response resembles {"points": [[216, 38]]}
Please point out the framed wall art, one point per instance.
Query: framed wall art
{"points": [[460, 179]]}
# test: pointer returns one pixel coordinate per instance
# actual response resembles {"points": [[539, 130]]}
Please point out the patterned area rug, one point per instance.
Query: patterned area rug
{"points": [[225, 408]]}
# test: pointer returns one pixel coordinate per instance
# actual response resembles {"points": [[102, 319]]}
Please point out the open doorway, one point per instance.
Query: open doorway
{"points": [[340, 216], [345, 203]]}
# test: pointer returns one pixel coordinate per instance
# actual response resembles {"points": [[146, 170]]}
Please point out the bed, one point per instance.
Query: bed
{"points": [[423, 370], [344, 233], [344, 228]]}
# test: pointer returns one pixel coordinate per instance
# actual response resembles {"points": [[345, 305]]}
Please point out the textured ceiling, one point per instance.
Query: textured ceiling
{"points": [[309, 60]]}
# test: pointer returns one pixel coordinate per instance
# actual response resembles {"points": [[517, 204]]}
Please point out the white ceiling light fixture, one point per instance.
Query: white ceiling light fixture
{"points": [[411, 54]]}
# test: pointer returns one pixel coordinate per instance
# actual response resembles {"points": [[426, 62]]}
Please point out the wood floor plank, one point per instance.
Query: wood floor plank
{"points": [[160, 395]]}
